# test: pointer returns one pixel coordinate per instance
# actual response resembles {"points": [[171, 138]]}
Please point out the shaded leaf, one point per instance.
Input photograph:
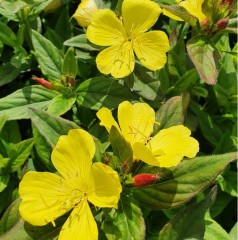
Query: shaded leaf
{"points": [[98, 92], [144, 85], [189, 223], [121, 149]]}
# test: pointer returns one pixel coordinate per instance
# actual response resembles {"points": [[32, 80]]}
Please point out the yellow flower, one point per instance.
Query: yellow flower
{"points": [[47, 196], [166, 149], [52, 6], [84, 12], [194, 7], [128, 36]]}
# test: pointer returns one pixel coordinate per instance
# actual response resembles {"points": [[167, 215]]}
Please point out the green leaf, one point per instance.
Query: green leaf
{"points": [[7, 36], [70, 67], [60, 105], [16, 104], [186, 82], [4, 179], [8, 73], [144, 84], [214, 231], [189, 223], [229, 183], [233, 232], [125, 223], [209, 128], [10, 217], [48, 56], [98, 92], [181, 183], [81, 41], [205, 58], [47, 129], [182, 13], [10, 132], [121, 149], [3, 120], [170, 114], [19, 153]]}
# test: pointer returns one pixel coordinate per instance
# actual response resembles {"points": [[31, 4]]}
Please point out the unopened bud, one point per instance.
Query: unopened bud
{"points": [[229, 2], [205, 23], [43, 82], [145, 179], [222, 23]]}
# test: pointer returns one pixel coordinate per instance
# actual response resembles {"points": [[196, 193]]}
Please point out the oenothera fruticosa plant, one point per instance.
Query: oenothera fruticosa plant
{"points": [[160, 172], [125, 35]]}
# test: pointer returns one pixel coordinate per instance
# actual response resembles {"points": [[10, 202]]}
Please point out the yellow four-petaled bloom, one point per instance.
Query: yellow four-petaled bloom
{"points": [[47, 196], [126, 36], [166, 149]]}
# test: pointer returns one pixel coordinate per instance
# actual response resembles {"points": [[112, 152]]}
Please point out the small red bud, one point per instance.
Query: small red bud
{"points": [[145, 179], [229, 2], [42, 82], [222, 23], [205, 23]]}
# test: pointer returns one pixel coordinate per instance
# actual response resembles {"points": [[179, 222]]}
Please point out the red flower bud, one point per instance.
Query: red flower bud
{"points": [[229, 2], [205, 23], [43, 82], [222, 23], [145, 179]]}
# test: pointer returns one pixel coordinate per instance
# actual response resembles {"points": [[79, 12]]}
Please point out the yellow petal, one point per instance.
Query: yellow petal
{"points": [[141, 152], [117, 60], [151, 48], [136, 121], [45, 196], [72, 157], [84, 12], [106, 119], [170, 15], [175, 140], [139, 16], [105, 192], [106, 29], [194, 7], [80, 225]]}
